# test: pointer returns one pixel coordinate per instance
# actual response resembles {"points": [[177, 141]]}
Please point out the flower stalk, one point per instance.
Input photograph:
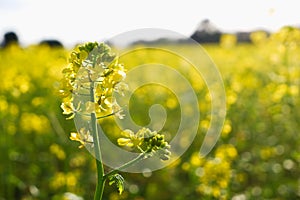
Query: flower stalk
{"points": [[100, 169], [126, 165]]}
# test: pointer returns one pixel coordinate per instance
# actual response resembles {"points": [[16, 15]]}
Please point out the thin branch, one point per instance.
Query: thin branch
{"points": [[128, 164]]}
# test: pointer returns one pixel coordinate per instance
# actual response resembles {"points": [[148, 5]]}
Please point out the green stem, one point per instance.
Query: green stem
{"points": [[101, 181], [132, 162], [100, 170]]}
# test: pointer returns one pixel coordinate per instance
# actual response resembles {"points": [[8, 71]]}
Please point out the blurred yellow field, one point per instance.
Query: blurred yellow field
{"points": [[256, 157]]}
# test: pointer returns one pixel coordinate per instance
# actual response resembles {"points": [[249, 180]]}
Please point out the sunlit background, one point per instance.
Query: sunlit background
{"points": [[91, 20]]}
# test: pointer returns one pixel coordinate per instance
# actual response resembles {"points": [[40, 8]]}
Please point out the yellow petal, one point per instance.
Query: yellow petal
{"points": [[75, 136], [124, 142], [119, 76], [67, 108]]}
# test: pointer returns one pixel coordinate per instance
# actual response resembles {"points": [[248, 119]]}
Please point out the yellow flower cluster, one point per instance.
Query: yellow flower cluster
{"points": [[92, 72], [214, 174], [92, 76], [60, 180]]}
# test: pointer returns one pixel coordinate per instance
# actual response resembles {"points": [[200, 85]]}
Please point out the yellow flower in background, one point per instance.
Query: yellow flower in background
{"points": [[228, 40], [267, 152], [226, 128], [61, 180], [215, 173], [215, 178], [226, 152], [57, 151], [31, 122], [262, 91], [259, 37], [196, 160]]}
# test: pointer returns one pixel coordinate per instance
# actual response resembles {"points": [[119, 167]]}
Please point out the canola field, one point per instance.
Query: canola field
{"points": [[256, 157]]}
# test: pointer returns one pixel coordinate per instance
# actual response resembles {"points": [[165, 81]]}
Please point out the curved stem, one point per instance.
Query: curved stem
{"points": [[101, 181], [101, 117], [97, 149], [128, 164]]}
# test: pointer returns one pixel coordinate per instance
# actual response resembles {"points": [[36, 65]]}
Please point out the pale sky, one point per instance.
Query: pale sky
{"points": [[74, 21]]}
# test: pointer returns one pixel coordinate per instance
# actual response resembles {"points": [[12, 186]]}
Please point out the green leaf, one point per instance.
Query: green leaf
{"points": [[118, 180]]}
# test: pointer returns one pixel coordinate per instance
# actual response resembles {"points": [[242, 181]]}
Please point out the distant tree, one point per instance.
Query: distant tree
{"points": [[52, 43], [206, 33], [9, 38], [243, 37]]}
